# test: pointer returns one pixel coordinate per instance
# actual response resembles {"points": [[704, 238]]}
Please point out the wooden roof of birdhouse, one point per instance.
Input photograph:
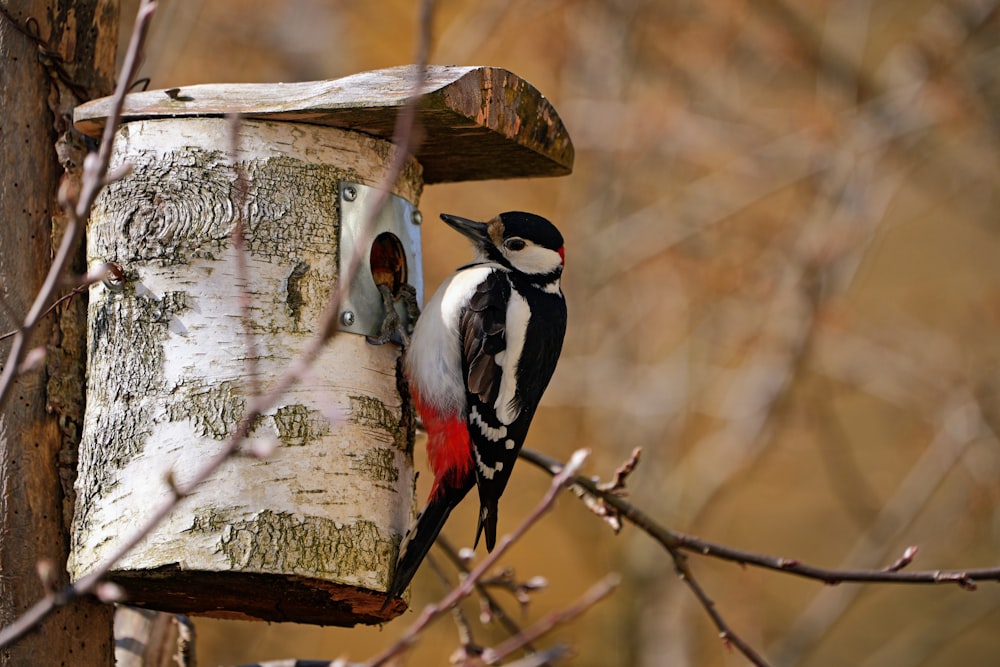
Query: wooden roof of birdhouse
{"points": [[474, 123]]}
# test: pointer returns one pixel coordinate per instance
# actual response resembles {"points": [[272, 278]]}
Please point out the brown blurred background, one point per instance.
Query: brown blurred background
{"points": [[783, 273]]}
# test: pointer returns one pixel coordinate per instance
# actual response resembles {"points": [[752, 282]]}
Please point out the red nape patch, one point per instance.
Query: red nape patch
{"points": [[562, 254], [448, 447]]}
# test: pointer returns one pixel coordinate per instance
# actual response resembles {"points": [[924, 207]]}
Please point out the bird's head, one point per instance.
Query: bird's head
{"points": [[523, 242]]}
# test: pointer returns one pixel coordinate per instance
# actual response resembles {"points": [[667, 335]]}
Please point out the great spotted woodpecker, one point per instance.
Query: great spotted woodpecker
{"points": [[481, 354]]}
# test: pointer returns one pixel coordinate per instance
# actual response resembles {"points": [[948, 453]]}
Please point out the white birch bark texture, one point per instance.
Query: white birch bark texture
{"points": [[310, 532]]}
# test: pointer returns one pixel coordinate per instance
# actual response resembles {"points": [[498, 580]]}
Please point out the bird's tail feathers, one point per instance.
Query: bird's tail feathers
{"points": [[418, 540], [487, 522]]}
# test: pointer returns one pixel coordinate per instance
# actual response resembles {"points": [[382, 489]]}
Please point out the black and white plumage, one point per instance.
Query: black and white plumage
{"points": [[481, 355]]}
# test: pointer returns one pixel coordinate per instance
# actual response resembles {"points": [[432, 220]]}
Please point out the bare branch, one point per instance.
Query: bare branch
{"points": [[542, 658], [671, 541], [95, 168], [675, 540], [676, 543], [903, 560]]}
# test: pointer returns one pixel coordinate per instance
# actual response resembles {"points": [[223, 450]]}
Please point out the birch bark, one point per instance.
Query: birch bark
{"points": [[309, 533]]}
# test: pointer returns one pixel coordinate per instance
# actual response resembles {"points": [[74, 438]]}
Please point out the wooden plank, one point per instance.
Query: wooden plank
{"points": [[477, 122]]}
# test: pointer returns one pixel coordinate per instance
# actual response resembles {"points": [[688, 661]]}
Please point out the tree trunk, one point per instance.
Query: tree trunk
{"points": [[39, 428]]}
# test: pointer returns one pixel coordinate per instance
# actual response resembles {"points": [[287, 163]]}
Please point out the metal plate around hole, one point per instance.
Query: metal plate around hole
{"points": [[362, 299]]}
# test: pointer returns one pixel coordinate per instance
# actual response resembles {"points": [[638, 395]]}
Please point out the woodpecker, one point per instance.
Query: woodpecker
{"points": [[480, 357]]}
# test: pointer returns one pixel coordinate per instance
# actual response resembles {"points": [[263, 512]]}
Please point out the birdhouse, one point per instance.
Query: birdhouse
{"points": [[305, 523]]}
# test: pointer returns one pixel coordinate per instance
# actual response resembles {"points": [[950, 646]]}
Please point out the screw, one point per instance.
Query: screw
{"points": [[417, 217], [350, 193], [347, 318]]}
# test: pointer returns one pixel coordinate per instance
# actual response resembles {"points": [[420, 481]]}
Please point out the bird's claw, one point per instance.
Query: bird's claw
{"points": [[393, 328]]}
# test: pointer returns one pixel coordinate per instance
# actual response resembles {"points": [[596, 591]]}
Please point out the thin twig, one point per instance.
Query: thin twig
{"points": [[542, 658], [466, 643], [726, 634], [238, 236], [88, 280], [467, 585], [508, 623], [595, 594], [95, 170]]}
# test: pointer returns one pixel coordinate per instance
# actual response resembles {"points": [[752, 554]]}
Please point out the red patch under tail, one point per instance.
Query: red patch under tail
{"points": [[449, 449]]}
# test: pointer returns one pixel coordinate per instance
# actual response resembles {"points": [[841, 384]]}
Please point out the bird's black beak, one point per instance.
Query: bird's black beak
{"points": [[477, 232]]}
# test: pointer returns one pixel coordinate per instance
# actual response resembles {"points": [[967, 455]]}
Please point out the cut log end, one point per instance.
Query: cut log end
{"points": [[255, 597]]}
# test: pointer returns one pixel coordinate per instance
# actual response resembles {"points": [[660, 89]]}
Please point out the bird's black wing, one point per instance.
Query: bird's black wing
{"points": [[483, 325], [484, 336]]}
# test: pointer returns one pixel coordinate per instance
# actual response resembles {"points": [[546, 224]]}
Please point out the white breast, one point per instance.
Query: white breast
{"points": [[433, 360]]}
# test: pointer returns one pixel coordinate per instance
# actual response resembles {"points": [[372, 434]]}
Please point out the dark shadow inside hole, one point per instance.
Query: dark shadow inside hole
{"points": [[388, 262]]}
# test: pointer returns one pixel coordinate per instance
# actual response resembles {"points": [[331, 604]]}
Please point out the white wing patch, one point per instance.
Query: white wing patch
{"points": [[518, 314]]}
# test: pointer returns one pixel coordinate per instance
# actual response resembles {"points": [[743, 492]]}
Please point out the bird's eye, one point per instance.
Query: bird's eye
{"points": [[514, 244]]}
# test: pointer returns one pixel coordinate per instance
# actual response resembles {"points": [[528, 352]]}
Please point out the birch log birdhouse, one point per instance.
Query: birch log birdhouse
{"points": [[190, 328]]}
